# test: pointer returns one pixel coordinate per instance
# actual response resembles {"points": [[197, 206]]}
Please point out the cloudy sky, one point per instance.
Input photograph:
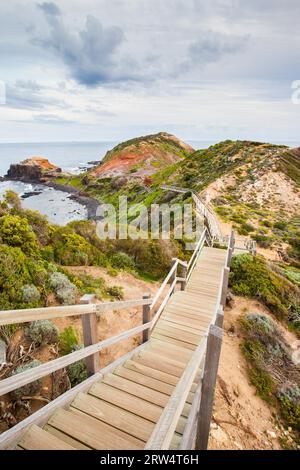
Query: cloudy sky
{"points": [[113, 69]]}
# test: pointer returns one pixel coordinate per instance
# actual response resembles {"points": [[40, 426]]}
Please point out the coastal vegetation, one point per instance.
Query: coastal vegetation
{"points": [[272, 371]]}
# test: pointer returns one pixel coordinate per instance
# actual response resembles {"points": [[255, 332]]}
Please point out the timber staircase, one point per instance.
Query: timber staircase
{"points": [[158, 396], [123, 408]]}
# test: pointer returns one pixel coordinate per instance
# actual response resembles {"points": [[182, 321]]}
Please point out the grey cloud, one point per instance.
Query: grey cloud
{"points": [[30, 95], [213, 46], [49, 8], [89, 53], [51, 119]]}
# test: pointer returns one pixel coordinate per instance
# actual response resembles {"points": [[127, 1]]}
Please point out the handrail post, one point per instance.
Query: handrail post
{"points": [[184, 276], [220, 318], [146, 318], [214, 343], [229, 257], [224, 286], [89, 329], [174, 261]]}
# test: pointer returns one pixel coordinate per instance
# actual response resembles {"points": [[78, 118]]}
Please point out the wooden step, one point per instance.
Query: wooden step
{"points": [[114, 416], [36, 438], [92, 432]]}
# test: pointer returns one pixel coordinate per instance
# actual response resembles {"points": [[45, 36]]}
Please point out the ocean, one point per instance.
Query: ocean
{"points": [[70, 156]]}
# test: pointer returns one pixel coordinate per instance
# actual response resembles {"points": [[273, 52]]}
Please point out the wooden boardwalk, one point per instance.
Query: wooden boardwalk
{"points": [[121, 410]]}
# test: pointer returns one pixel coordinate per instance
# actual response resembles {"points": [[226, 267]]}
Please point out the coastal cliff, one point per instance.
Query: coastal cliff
{"points": [[34, 169]]}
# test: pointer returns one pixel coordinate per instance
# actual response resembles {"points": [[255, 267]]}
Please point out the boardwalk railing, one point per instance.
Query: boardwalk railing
{"points": [[203, 209], [152, 309], [88, 310]]}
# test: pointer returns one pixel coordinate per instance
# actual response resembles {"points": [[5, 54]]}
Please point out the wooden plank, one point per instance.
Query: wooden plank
{"points": [[151, 372], [172, 340], [113, 415], [92, 432], [126, 401], [181, 320], [145, 380], [171, 351], [194, 314], [168, 322], [136, 389], [64, 437], [36, 438], [148, 382], [177, 333], [154, 360], [9, 317]]}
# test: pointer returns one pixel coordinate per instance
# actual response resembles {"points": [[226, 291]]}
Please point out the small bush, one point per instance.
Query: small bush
{"points": [[30, 389], [263, 240], [263, 383], [116, 292], [31, 294], [68, 340], [122, 261], [77, 373], [42, 332], [271, 369], [66, 291], [15, 231], [251, 276]]}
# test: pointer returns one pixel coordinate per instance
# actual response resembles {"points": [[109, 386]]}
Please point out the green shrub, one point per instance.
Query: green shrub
{"points": [[71, 249], [42, 332], [66, 291], [122, 261], [115, 292], [263, 241], [14, 274], [251, 276], [263, 383], [15, 231], [77, 373], [31, 295], [30, 389], [13, 199], [271, 369], [68, 340]]}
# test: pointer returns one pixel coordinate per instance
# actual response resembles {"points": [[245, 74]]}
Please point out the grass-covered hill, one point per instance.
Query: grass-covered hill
{"points": [[142, 156], [253, 186]]}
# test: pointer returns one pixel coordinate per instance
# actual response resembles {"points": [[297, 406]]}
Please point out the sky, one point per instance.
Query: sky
{"points": [[103, 70]]}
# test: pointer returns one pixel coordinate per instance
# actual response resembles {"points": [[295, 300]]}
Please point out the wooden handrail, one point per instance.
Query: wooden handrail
{"points": [[8, 317], [165, 282], [24, 378], [197, 247], [163, 304]]}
